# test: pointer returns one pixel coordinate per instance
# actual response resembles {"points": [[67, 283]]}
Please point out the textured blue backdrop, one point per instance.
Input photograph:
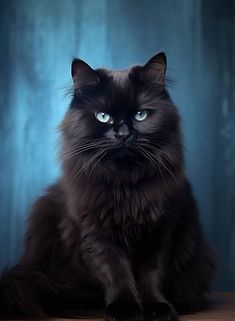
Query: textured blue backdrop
{"points": [[38, 40]]}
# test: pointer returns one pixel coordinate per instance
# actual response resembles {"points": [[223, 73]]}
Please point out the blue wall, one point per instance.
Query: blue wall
{"points": [[38, 40]]}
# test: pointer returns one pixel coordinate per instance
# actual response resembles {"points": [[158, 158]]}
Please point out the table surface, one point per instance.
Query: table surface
{"points": [[222, 308]]}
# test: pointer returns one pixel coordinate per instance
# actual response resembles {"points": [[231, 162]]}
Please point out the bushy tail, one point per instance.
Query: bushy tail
{"points": [[21, 292], [28, 293]]}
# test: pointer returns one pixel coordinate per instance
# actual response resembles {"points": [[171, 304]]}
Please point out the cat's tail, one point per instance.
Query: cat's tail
{"points": [[27, 293], [21, 293]]}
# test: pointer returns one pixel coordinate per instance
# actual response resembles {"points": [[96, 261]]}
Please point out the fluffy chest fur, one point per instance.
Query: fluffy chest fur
{"points": [[116, 206]]}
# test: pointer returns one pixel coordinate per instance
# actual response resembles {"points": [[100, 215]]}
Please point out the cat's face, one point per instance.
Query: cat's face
{"points": [[125, 117]]}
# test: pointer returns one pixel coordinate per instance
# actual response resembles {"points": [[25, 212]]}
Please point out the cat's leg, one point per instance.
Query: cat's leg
{"points": [[111, 266], [150, 283]]}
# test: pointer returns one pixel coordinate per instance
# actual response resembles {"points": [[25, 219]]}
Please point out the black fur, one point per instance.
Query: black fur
{"points": [[119, 232]]}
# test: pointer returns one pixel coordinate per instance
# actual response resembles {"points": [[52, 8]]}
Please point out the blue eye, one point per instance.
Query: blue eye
{"points": [[141, 115], [103, 117]]}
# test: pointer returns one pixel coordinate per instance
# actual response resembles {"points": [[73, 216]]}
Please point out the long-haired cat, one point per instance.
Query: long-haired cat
{"points": [[119, 231]]}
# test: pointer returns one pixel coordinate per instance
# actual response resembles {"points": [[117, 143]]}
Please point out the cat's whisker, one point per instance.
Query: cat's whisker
{"points": [[142, 151], [85, 144], [81, 170], [151, 146], [168, 160], [160, 162], [78, 151], [98, 161], [87, 165], [152, 160], [164, 155], [77, 163], [152, 140]]}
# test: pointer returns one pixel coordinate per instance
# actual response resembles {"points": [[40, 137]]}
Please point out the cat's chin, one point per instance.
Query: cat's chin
{"points": [[121, 152], [126, 157]]}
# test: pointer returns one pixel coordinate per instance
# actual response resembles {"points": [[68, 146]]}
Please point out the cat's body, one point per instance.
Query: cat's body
{"points": [[120, 228]]}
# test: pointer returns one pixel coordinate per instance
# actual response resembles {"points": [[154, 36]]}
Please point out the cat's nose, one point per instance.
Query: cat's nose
{"points": [[123, 133]]}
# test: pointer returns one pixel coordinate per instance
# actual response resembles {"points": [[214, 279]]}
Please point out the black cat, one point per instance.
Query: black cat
{"points": [[119, 231]]}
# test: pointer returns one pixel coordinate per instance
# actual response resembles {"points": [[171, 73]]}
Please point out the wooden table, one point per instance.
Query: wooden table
{"points": [[222, 308]]}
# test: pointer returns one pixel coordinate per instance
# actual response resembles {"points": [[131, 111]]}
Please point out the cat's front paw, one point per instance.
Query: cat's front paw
{"points": [[159, 311], [123, 311]]}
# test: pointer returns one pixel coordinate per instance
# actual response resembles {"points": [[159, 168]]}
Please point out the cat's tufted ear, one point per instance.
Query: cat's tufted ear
{"points": [[154, 70], [83, 75]]}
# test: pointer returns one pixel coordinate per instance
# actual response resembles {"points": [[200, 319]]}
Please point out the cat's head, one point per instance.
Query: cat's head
{"points": [[120, 119]]}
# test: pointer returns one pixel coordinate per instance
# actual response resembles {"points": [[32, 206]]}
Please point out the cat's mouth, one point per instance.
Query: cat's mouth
{"points": [[121, 151], [123, 148]]}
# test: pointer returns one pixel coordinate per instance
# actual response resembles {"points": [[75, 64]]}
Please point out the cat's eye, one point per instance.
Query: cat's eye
{"points": [[141, 115], [103, 117]]}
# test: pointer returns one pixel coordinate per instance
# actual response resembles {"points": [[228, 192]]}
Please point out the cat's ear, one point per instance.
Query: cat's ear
{"points": [[154, 70], [83, 75]]}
